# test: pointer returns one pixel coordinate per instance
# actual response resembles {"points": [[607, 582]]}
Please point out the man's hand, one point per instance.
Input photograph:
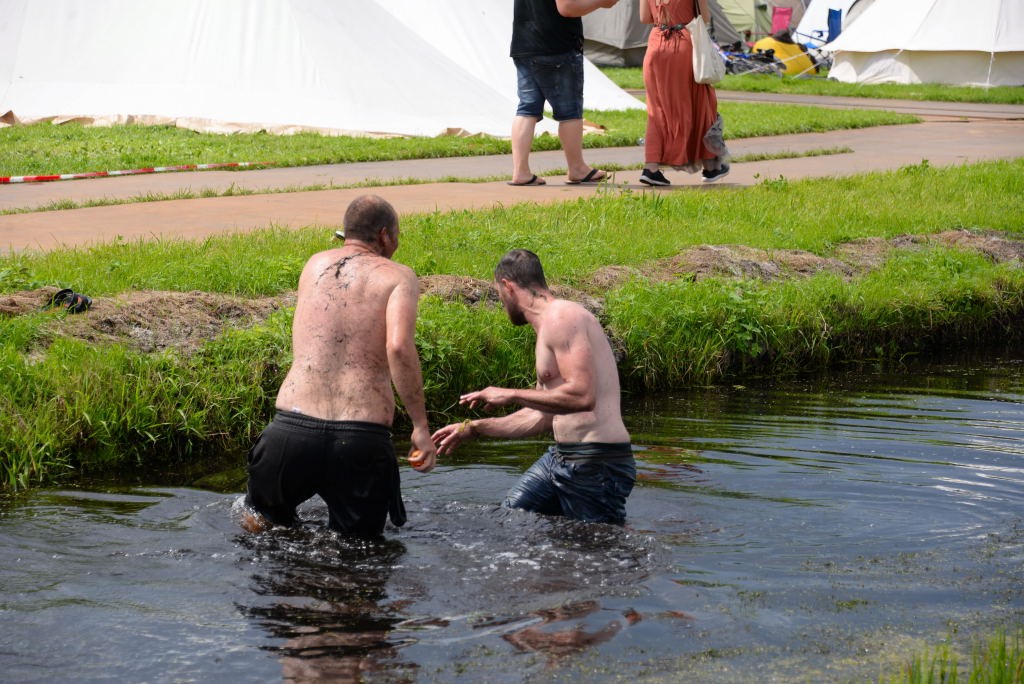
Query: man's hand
{"points": [[489, 398], [450, 436], [422, 454]]}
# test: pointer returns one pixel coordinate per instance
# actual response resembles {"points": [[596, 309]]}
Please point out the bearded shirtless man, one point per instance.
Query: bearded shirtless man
{"points": [[353, 339], [590, 471]]}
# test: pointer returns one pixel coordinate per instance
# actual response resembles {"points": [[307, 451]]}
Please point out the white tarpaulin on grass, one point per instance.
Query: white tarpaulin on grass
{"points": [[276, 65], [933, 41]]}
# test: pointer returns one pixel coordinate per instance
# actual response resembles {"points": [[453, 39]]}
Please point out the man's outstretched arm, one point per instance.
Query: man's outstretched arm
{"points": [[523, 423], [404, 364]]}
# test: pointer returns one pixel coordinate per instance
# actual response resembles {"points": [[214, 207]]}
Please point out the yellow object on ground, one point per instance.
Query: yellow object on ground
{"points": [[790, 54]]}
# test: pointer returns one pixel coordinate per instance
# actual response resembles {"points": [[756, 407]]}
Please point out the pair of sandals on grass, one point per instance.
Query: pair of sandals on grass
{"points": [[69, 300], [595, 176]]}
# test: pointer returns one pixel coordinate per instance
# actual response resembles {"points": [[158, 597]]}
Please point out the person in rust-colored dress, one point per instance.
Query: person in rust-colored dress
{"points": [[684, 130]]}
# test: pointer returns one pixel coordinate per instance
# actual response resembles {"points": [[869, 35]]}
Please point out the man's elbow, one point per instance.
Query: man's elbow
{"points": [[584, 403], [398, 350], [569, 10]]}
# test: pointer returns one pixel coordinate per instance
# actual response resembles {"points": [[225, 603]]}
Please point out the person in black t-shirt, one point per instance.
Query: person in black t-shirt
{"points": [[547, 48]]}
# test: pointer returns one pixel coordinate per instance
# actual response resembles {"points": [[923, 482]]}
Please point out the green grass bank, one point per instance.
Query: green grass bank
{"points": [[70, 406]]}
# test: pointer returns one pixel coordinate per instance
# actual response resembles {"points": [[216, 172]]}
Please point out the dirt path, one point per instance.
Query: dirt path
{"points": [[955, 137]]}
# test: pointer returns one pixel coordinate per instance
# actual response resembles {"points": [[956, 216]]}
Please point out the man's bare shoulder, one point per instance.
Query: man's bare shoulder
{"points": [[568, 310], [402, 269], [563, 320], [404, 277]]}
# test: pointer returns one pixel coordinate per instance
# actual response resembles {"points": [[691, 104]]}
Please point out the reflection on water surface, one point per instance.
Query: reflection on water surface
{"points": [[809, 531]]}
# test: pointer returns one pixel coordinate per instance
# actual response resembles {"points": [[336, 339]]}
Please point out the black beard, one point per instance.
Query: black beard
{"points": [[516, 317]]}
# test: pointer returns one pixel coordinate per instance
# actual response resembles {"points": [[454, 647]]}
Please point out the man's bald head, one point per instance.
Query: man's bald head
{"points": [[366, 215]]}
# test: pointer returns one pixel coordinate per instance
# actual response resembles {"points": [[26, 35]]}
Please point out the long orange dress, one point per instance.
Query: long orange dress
{"points": [[680, 111]]}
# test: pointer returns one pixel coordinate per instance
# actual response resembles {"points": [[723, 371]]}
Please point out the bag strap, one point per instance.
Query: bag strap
{"points": [[696, 13]]}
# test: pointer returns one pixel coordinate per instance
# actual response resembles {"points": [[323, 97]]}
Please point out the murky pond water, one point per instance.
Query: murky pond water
{"points": [[806, 531]]}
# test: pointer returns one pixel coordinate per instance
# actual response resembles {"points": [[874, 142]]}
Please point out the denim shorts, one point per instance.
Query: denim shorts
{"points": [[582, 481], [555, 78]]}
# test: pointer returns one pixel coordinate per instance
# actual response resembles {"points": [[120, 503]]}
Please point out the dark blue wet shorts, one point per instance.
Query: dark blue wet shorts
{"points": [[555, 78], [350, 464], [587, 481]]}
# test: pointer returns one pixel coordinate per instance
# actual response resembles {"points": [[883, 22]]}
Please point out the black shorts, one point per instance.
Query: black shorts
{"points": [[350, 464]]}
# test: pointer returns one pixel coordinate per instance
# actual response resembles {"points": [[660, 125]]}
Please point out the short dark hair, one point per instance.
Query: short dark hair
{"points": [[366, 215], [522, 267]]}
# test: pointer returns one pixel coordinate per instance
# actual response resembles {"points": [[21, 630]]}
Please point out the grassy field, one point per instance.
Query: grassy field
{"points": [[45, 148], [632, 78], [70, 405]]}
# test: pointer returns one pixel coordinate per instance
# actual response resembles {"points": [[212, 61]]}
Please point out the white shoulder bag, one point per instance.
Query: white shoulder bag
{"points": [[708, 64]]}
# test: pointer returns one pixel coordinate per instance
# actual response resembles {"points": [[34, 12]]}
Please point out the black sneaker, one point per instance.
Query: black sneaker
{"points": [[712, 176], [653, 178]]}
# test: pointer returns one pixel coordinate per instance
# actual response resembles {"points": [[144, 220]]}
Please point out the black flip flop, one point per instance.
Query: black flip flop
{"points": [[79, 303], [60, 298], [535, 180], [589, 178]]}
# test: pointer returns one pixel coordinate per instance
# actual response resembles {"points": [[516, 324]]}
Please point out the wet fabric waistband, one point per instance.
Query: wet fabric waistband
{"points": [[323, 425], [593, 451]]}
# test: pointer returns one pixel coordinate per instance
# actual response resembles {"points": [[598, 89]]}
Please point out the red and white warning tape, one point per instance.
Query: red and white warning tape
{"points": [[102, 174]]}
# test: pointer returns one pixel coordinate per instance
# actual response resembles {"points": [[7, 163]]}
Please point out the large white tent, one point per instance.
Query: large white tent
{"points": [[476, 34], [933, 41], [279, 65]]}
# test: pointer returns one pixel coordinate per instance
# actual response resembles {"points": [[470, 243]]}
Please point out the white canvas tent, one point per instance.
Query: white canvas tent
{"points": [[856, 9], [277, 65], [933, 41]]}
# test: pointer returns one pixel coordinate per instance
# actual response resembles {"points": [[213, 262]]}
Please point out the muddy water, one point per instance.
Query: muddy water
{"points": [[808, 531]]}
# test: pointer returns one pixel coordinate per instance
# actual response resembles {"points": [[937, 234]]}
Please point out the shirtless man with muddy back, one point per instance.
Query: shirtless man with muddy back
{"points": [[590, 471], [353, 338]]}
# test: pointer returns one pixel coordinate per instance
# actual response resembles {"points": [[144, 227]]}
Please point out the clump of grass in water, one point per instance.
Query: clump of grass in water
{"points": [[1000, 660]]}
